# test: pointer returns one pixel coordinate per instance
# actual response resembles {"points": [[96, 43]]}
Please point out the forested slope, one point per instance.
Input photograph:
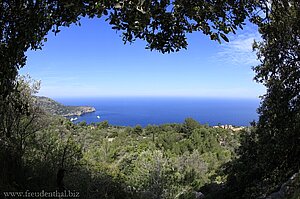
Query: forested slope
{"points": [[55, 108]]}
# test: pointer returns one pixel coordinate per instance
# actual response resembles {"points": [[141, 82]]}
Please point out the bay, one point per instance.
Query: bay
{"points": [[131, 111]]}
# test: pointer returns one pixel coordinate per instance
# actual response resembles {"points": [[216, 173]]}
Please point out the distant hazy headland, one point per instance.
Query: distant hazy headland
{"points": [[55, 108]]}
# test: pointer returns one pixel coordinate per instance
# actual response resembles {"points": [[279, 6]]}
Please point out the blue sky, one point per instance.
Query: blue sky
{"points": [[91, 61]]}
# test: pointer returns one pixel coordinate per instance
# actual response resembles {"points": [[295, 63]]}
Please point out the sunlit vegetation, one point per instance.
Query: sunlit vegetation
{"points": [[104, 161], [167, 161]]}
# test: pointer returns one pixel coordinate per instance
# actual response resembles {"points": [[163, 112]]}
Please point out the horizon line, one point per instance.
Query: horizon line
{"points": [[153, 96]]}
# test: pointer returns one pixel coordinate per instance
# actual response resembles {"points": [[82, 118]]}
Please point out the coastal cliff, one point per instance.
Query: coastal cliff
{"points": [[55, 108]]}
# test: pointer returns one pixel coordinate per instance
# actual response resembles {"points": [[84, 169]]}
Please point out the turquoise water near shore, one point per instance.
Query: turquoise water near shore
{"points": [[132, 111]]}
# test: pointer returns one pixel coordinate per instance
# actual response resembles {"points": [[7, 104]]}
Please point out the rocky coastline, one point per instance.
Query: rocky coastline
{"points": [[55, 108], [80, 110]]}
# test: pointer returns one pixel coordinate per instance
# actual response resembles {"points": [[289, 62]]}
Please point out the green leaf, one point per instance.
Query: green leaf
{"points": [[224, 37]]}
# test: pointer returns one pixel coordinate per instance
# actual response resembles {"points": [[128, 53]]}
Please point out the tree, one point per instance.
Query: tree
{"points": [[104, 124], [138, 130], [151, 175], [279, 71], [189, 125], [20, 119], [52, 155], [270, 154], [279, 122]]}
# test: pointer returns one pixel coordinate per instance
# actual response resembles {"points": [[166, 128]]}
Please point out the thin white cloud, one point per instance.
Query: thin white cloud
{"points": [[239, 50]]}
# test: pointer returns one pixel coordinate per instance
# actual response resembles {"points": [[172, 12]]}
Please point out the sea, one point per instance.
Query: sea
{"points": [[132, 111]]}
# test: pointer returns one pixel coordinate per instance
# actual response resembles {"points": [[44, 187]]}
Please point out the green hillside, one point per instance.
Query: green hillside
{"points": [[55, 108]]}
